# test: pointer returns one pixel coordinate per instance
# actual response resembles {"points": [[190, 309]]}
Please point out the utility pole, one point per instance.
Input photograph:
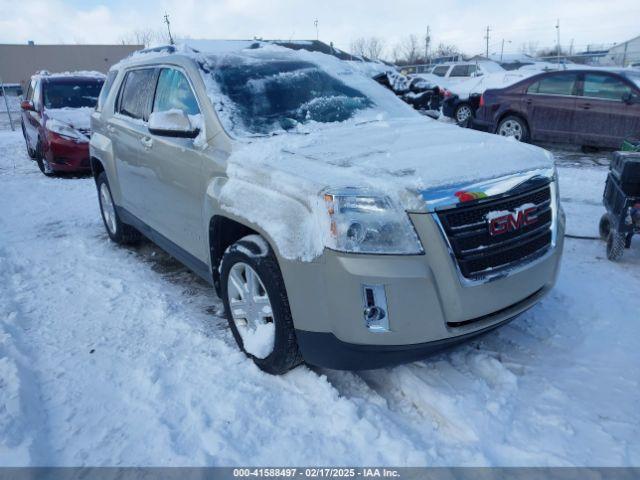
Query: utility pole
{"points": [[166, 20], [487, 39], [315, 23], [427, 41], [558, 41], [6, 103], [624, 55], [502, 48]]}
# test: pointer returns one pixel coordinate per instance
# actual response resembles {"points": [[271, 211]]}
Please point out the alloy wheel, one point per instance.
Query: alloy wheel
{"points": [[463, 114], [108, 210], [251, 309], [511, 128]]}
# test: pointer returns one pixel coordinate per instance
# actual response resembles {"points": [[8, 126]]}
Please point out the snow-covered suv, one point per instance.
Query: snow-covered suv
{"points": [[339, 226]]}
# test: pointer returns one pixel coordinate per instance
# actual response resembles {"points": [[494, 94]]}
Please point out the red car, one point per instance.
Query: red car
{"points": [[56, 114]]}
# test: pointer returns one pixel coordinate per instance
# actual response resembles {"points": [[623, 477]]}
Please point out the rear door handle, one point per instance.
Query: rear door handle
{"points": [[586, 106], [147, 142], [110, 129], [529, 101]]}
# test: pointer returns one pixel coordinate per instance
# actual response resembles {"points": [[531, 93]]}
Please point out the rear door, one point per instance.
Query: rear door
{"points": [[603, 119], [550, 103], [173, 167], [128, 128]]}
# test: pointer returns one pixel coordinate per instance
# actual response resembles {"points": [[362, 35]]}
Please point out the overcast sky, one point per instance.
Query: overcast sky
{"points": [[461, 22]]}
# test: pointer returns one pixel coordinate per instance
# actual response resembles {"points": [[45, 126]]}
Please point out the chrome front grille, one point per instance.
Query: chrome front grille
{"points": [[478, 252]]}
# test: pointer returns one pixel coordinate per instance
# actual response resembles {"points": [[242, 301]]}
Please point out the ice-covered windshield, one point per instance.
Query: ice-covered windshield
{"points": [[257, 96]]}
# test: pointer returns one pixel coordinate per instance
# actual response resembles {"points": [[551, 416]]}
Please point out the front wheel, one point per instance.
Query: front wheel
{"points": [[257, 307], [118, 232], [43, 163], [515, 127]]}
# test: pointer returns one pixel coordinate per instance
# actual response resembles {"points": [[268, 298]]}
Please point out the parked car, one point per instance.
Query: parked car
{"points": [[462, 110], [453, 72], [417, 92], [56, 115], [590, 107], [338, 226]]}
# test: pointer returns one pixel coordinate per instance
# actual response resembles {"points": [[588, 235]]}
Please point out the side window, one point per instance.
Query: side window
{"points": [[37, 95], [137, 92], [106, 88], [174, 91], [460, 71], [32, 85], [441, 71], [474, 70], [606, 87], [556, 84]]}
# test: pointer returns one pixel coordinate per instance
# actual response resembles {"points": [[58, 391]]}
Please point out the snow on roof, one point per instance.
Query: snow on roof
{"points": [[74, 74]]}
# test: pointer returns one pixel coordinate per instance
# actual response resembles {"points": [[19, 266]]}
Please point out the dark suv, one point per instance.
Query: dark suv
{"points": [[596, 108], [56, 120]]}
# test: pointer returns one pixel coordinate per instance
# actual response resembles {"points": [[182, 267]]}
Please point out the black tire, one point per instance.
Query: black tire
{"points": [[604, 227], [122, 233], [518, 125], [285, 354], [615, 245], [30, 151], [43, 165], [458, 111]]}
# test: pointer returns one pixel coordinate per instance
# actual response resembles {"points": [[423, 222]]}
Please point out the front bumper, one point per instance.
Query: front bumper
{"points": [[66, 155], [428, 306]]}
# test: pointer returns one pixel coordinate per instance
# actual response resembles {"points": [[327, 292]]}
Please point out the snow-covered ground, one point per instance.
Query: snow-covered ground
{"points": [[119, 356]]}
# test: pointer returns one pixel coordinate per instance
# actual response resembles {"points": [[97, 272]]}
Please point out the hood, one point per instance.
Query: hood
{"points": [[78, 118], [400, 158]]}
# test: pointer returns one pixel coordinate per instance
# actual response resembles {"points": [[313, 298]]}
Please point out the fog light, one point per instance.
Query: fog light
{"points": [[375, 314]]}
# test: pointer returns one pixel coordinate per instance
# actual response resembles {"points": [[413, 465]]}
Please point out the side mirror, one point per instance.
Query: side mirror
{"points": [[172, 123], [630, 98], [26, 105]]}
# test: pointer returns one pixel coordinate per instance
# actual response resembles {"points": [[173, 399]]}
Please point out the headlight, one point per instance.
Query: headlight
{"points": [[65, 130], [366, 222]]}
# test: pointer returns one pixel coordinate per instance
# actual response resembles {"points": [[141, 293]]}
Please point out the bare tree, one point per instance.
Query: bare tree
{"points": [[407, 51], [446, 50], [371, 47], [530, 48], [146, 37]]}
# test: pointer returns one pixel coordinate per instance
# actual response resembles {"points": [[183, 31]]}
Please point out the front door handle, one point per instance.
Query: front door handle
{"points": [[147, 142], [529, 101], [586, 106], [110, 129]]}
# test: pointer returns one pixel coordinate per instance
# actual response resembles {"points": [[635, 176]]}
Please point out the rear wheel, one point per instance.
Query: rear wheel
{"points": [[257, 307], [463, 114], [605, 226], [615, 245], [512, 126], [118, 232]]}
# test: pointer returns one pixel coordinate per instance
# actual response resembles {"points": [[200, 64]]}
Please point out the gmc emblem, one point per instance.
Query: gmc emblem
{"points": [[512, 221]]}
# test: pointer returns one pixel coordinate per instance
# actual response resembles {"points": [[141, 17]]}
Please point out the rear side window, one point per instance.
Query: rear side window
{"points": [[174, 91], [605, 87], [460, 71], [137, 92], [441, 71], [106, 88], [557, 84]]}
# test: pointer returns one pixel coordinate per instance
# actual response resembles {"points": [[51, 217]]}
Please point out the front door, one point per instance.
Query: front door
{"points": [[176, 186], [603, 119], [550, 104]]}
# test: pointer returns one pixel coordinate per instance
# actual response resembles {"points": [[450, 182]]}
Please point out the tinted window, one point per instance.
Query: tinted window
{"points": [[605, 87], [74, 94], [174, 91], [37, 95], [441, 71], [32, 85], [106, 88], [460, 71], [137, 92], [557, 84]]}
